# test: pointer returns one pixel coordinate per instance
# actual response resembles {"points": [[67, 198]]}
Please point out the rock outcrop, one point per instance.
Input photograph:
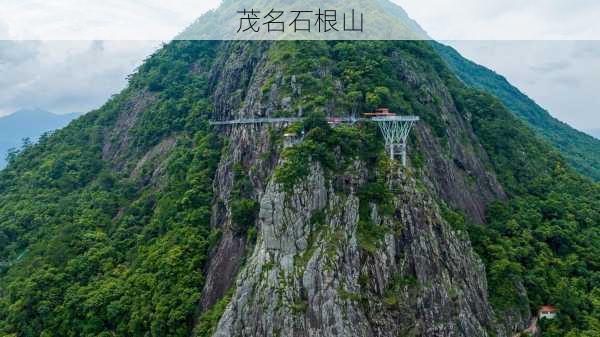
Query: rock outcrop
{"points": [[309, 275]]}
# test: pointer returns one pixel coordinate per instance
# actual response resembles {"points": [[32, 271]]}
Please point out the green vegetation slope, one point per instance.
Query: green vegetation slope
{"points": [[582, 151]]}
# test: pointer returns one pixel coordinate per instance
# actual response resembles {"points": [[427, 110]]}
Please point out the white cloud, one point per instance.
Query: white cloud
{"points": [[561, 76], [66, 76], [161, 20], [99, 20], [507, 19]]}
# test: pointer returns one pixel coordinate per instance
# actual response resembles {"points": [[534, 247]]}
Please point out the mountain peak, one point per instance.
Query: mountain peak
{"points": [[31, 112], [249, 20]]}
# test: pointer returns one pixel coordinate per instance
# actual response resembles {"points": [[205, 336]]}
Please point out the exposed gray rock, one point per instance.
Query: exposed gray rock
{"points": [[151, 166], [249, 146], [307, 278], [455, 170], [117, 141]]}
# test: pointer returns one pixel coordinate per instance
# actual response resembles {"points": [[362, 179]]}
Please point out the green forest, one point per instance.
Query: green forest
{"points": [[546, 236], [101, 254], [88, 250]]}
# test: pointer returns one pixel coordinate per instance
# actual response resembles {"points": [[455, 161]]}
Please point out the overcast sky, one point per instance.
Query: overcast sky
{"points": [[65, 76]]}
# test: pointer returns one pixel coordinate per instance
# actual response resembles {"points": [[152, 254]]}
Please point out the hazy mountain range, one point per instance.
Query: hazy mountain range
{"points": [[28, 123]]}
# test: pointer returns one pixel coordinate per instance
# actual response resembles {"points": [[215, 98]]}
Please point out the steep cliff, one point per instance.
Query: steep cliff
{"points": [[327, 278], [312, 273]]}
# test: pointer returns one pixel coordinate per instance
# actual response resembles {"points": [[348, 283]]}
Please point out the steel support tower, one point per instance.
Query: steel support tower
{"points": [[395, 130]]}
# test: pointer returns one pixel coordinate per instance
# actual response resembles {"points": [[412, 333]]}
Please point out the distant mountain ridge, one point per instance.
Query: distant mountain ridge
{"points": [[28, 123], [581, 150]]}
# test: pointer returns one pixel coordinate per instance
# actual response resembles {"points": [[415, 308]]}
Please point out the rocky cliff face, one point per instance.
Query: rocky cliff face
{"points": [[307, 274]]}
